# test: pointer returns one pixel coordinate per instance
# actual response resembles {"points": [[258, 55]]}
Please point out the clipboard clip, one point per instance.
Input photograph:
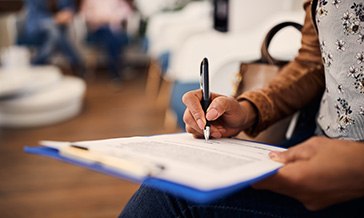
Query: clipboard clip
{"points": [[136, 168]]}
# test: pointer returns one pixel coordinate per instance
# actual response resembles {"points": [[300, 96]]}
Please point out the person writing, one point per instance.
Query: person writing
{"points": [[321, 177]]}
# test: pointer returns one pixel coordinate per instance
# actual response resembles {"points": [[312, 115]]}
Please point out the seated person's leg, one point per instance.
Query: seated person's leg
{"points": [[113, 44], [49, 30], [69, 50], [113, 48], [149, 202]]}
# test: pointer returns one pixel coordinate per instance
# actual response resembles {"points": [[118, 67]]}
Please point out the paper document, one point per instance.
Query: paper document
{"points": [[182, 159]]}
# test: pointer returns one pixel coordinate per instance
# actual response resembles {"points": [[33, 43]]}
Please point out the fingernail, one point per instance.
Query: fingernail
{"points": [[212, 114], [216, 135], [222, 130], [200, 124], [274, 155]]}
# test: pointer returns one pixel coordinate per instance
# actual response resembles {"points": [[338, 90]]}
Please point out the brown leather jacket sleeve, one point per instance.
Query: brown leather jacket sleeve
{"points": [[297, 84]]}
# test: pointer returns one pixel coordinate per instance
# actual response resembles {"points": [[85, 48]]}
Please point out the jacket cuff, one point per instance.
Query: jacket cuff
{"points": [[264, 108]]}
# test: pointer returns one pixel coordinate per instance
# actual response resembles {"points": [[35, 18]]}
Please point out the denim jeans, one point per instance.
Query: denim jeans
{"points": [[113, 42], [49, 37], [149, 202]]}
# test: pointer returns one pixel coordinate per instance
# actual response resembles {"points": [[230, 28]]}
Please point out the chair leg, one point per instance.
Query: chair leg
{"points": [[153, 80], [158, 91], [170, 121], [164, 94]]}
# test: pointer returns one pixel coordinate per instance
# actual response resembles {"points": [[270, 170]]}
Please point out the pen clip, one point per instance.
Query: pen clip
{"points": [[202, 75], [204, 79]]}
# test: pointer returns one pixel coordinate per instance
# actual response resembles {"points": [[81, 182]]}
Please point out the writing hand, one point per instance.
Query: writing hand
{"points": [[228, 116]]}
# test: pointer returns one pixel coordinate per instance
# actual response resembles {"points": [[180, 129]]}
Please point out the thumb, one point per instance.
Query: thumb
{"points": [[217, 108], [296, 153]]}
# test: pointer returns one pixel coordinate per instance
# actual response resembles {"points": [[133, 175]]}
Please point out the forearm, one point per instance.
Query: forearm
{"points": [[296, 85]]}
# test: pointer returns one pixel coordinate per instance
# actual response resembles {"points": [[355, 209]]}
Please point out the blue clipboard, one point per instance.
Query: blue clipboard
{"points": [[178, 190]]}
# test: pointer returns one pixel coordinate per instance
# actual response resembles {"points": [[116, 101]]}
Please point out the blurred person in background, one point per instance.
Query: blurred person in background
{"points": [[45, 28], [106, 22]]}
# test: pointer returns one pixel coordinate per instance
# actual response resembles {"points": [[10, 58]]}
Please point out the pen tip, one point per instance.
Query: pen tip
{"points": [[206, 133]]}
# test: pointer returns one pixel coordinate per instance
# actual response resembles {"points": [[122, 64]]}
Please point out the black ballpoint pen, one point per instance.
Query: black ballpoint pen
{"points": [[205, 102]]}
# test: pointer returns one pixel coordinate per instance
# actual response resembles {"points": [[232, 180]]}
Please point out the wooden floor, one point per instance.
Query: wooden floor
{"points": [[34, 186]]}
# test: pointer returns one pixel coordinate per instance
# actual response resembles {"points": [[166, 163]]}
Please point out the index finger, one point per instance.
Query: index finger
{"points": [[192, 100]]}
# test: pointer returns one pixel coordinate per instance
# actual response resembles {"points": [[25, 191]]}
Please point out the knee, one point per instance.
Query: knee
{"points": [[148, 202], [52, 32]]}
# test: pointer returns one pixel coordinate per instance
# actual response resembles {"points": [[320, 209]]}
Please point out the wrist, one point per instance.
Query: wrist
{"points": [[250, 113]]}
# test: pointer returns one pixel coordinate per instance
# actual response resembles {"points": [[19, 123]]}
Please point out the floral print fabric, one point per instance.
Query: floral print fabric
{"points": [[340, 26]]}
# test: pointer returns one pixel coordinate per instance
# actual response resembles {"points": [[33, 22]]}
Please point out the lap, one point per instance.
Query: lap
{"points": [[149, 202]]}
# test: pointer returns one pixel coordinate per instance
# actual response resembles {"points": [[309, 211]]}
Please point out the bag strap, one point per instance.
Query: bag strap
{"points": [[265, 56]]}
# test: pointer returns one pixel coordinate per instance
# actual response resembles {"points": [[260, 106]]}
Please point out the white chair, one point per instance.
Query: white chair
{"points": [[11, 29], [49, 105], [245, 15], [149, 8], [248, 22], [37, 96], [167, 30], [165, 33], [226, 49]]}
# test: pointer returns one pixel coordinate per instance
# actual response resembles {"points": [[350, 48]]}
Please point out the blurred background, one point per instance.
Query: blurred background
{"points": [[73, 70]]}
